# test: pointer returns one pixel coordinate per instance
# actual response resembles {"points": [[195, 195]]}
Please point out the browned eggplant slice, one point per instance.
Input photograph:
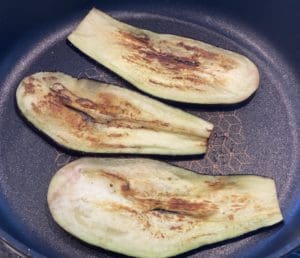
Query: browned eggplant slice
{"points": [[147, 208], [90, 116], [167, 66]]}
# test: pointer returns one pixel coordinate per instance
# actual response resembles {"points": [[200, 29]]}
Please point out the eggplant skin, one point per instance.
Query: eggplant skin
{"points": [[148, 208], [164, 65], [94, 117]]}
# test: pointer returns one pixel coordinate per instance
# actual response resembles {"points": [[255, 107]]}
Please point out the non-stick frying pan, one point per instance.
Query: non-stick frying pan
{"points": [[259, 136]]}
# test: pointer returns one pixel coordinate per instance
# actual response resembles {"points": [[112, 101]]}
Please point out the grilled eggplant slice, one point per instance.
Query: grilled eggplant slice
{"points": [[147, 208], [89, 116], [167, 66]]}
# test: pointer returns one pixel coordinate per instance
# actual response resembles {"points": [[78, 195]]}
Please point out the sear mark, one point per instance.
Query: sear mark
{"points": [[230, 217], [162, 204], [173, 85], [192, 208], [109, 110], [199, 51], [95, 118], [35, 108], [147, 53], [219, 184], [29, 88], [166, 57], [169, 61], [86, 103]]}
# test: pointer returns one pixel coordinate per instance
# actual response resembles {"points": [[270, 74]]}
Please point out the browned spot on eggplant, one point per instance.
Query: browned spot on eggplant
{"points": [[33, 79], [202, 235], [136, 38], [62, 139], [35, 108], [110, 104], [97, 142], [29, 88], [219, 184], [122, 114], [142, 44], [204, 142], [164, 204], [86, 103], [164, 84], [176, 228], [81, 115], [183, 205], [52, 78], [167, 57], [52, 102], [49, 78], [65, 99], [198, 51], [107, 104], [115, 207], [55, 107], [230, 217], [125, 187], [188, 47], [154, 125], [191, 79], [61, 91], [116, 135], [181, 217], [118, 207], [170, 61], [134, 58], [61, 103], [101, 173], [174, 205], [243, 199], [225, 62], [180, 87]]}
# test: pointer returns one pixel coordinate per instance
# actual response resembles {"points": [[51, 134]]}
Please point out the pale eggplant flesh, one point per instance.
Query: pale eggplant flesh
{"points": [[164, 65], [148, 208], [90, 116]]}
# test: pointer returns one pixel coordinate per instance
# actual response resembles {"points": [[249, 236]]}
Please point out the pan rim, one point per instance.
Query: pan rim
{"points": [[20, 246]]}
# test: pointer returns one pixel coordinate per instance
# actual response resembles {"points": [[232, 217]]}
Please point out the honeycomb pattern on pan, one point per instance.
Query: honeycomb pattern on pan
{"points": [[61, 158], [227, 151], [227, 147]]}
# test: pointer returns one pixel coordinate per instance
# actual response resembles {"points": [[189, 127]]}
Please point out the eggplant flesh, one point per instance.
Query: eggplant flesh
{"points": [[90, 116], [164, 65], [147, 208]]}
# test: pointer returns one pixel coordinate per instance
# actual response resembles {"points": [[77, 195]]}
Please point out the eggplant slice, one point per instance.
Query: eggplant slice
{"points": [[90, 116], [148, 208], [166, 66]]}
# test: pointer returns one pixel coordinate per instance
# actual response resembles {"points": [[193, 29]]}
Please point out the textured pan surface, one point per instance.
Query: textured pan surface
{"points": [[259, 136]]}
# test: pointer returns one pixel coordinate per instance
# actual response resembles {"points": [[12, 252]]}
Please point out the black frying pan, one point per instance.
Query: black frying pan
{"points": [[259, 136]]}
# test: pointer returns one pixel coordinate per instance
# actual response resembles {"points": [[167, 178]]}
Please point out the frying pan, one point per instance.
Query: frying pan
{"points": [[259, 136]]}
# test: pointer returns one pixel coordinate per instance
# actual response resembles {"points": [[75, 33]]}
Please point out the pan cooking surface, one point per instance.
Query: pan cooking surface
{"points": [[257, 136]]}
